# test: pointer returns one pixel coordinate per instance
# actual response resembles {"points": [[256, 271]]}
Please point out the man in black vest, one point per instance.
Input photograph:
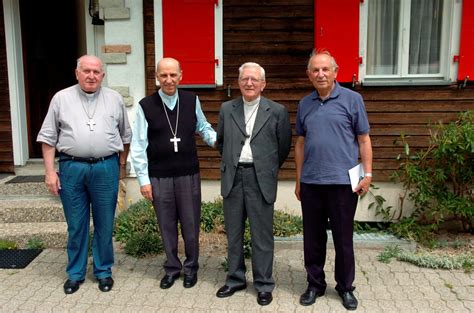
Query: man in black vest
{"points": [[167, 167]]}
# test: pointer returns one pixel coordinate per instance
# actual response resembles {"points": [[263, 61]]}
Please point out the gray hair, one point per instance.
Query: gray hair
{"points": [[316, 52], [78, 63], [252, 65]]}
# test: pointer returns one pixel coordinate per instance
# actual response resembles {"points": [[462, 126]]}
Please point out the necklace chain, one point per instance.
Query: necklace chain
{"points": [[250, 117], [95, 107], [175, 132]]}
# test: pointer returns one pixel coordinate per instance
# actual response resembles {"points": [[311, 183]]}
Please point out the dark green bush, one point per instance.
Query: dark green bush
{"points": [[138, 230]]}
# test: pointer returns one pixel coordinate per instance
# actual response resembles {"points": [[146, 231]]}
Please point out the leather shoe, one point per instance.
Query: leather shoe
{"points": [[190, 280], [71, 286], [349, 301], [264, 298], [168, 280], [105, 284], [310, 296], [226, 291]]}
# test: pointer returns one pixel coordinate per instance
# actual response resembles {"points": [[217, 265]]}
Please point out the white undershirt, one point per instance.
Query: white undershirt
{"points": [[250, 112]]}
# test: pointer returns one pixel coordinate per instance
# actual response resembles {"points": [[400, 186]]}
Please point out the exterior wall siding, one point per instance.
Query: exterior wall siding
{"points": [[279, 35]]}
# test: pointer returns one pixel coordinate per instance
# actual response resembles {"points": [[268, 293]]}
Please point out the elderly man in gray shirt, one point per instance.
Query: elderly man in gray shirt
{"points": [[88, 125]]}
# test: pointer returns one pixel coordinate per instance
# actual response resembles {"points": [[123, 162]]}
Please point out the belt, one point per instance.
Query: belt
{"points": [[244, 165], [66, 157]]}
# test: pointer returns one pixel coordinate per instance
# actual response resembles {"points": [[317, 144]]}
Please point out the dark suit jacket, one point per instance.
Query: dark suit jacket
{"points": [[270, 143]]}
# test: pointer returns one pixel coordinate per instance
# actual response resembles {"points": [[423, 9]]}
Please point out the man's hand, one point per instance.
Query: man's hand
{"points": [[123, 171], [363, 186], [146, 192], [51, 180], [297, 190]]}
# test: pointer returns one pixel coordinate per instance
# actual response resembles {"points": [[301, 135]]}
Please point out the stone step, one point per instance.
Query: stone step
{"points": [[52, 234], [30, 209], [23, 189]]}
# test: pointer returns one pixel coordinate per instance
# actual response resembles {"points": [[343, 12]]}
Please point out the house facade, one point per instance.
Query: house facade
{"points": [[412, 61]]}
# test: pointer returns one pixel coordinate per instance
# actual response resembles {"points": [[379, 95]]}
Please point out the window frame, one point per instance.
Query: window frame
{"points": [[450, 38]]}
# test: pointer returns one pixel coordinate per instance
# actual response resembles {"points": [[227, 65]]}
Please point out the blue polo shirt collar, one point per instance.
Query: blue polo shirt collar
{"points": [[334, 93]]}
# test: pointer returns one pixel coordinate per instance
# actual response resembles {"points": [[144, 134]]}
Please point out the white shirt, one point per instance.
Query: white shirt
{"points": [[250, 112]]}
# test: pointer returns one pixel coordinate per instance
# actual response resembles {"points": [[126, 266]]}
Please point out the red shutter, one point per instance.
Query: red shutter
{"points": [[336, 28], [466, 48], [188, 36]]}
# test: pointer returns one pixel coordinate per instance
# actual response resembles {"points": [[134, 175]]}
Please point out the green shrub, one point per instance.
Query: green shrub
{"points": [[440, 179], [212, 216], [286, 225], [141, 244], [7, 245], [138, 230]]}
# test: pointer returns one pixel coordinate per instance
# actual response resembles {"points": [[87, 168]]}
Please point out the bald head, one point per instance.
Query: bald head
{"points": [[168, 73]]}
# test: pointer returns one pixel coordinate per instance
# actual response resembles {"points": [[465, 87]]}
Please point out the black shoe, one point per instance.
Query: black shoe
{"points": [[226, 291], [105, 284], [264, 298], [310, 296], [349, 301], [71, 286], [190, 280], [168, 280]]}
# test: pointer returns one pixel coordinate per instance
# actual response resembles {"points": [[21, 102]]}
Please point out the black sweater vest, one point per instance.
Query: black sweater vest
{"points": [[162, 160]]}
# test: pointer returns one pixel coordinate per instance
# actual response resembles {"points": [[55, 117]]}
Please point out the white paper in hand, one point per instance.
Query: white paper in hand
{"points": [[356, 174]]}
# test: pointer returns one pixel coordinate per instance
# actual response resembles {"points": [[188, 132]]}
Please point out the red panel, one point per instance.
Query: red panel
{"points": [[466, 49], [188, 36], [336, 28]]}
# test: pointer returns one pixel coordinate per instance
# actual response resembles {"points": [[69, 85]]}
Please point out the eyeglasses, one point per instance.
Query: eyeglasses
{"points": [[253, 80]]}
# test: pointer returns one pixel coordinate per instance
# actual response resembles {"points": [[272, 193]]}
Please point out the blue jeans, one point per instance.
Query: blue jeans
{"points": [[85, 187]]}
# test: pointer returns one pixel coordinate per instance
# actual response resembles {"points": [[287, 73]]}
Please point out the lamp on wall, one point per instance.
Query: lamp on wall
{"points": [[94, 12]]}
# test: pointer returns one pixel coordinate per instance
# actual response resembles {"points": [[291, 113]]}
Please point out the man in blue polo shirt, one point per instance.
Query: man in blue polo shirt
{"points": [[332, 131]]}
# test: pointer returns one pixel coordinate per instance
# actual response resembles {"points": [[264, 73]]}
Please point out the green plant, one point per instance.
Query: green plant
{"points": [[440, 179], [378, 204], [138, 230], [390, 252], [444, 261], [7, 245], [212, 215], [35, 243], [285, 225], [409, 229]]}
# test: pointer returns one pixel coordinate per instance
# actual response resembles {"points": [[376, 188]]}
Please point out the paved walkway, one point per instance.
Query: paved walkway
{"points": [[394, 287]]}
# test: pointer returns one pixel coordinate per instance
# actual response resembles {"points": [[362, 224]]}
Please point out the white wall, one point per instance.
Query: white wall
{"points": [[131, 74]]}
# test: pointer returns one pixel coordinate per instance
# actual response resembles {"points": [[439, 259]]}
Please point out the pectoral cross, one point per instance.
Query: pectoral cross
{"points": [[175, 141], [91, 124]]}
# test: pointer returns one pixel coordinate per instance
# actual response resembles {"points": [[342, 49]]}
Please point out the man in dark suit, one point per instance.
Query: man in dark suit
{"points": [[254, 139]]}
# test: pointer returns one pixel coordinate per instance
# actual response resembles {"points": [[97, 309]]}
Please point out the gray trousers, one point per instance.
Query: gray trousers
{"points": [[246, 200], [179, 199]]}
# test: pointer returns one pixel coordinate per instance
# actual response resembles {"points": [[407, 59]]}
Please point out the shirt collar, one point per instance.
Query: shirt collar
{"points": [[334, 92], [170, 101], [251, 103]]}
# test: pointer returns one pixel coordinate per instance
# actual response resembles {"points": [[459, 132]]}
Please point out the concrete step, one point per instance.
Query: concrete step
{"points": [[23, 189], [52, 234], [30, 209]]}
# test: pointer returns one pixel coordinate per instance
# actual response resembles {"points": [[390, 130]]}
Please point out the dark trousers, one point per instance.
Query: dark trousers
{"points": [[336, 203], [179, 199], [87, 187], [246, 200]]}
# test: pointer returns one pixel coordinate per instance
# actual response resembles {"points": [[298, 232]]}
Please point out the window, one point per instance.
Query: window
{"points": [[409, 41]]}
